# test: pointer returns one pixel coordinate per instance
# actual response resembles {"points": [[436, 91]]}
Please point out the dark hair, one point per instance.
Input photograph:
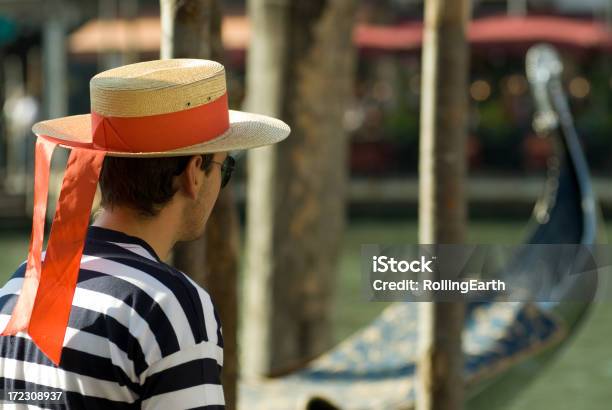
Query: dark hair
{"points": [[143, 184]]}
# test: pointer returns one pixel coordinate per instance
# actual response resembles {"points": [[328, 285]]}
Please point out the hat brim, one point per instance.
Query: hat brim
{"points": [[247, 130]]}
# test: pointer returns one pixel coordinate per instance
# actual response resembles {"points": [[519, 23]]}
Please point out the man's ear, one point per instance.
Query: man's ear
{"points": [[193, 177]]}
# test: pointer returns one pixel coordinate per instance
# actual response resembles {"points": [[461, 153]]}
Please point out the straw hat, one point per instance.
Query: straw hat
{"points": [[151, 109], [152, 105]]}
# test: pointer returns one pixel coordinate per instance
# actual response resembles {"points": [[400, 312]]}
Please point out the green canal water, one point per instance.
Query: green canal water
{"points": [[580, 377]]}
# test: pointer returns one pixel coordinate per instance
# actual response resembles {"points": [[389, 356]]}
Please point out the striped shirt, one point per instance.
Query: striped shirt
{"points": [[141, 334]]}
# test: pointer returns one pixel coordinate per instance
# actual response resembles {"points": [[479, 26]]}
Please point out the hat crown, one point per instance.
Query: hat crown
{"points": [[156, 87]]}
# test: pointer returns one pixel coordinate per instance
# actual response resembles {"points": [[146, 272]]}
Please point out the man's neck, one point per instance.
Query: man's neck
{"points": [[153, 231]]}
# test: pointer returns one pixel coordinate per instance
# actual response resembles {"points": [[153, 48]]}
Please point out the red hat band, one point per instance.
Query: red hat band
{"points": [[161, 132]]}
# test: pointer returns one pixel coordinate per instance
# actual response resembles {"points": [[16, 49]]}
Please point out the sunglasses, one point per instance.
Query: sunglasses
{"points": [[227, 167]]}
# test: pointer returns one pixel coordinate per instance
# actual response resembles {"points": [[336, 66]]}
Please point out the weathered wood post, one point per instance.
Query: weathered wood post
{"points": [[300, 68], [442, 203]]}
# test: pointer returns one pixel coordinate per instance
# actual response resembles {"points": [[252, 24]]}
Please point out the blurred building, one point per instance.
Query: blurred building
{"points": [[51, 48]]}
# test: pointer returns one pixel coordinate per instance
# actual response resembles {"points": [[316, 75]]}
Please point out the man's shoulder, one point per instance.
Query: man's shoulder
{"points": [[158, 291]]}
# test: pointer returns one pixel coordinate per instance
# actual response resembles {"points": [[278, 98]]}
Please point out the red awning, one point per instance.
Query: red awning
{"points": [[499, 30], [143, 34]]}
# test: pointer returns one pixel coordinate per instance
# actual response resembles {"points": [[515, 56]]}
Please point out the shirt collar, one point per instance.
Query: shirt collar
{"points": [[119, 238]]}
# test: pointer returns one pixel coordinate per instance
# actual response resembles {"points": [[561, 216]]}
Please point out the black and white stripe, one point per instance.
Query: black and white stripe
{"points": [[141, 335]]}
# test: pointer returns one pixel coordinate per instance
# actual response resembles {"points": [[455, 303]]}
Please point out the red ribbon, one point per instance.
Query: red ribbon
{"points": [[43, 306], [25, 302], [60, 269], [162, 132], [44, 303]]}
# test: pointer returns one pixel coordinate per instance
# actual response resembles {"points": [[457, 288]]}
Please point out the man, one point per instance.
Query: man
{"points": [[103, 322]]}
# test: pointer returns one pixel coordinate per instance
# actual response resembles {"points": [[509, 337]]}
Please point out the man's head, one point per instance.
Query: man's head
{"points": [[181, 190]]}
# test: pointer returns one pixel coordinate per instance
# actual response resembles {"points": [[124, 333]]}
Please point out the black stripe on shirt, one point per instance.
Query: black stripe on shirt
{"points": [[182, 376], [219, 335], [74, 361], [108, 327]]}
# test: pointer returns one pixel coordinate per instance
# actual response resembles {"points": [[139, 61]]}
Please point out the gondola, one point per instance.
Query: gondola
{"points": [[505, 343]]}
